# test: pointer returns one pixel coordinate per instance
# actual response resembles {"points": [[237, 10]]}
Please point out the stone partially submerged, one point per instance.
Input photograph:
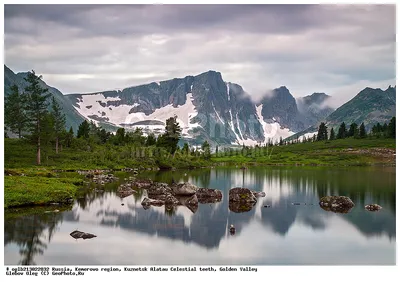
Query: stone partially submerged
{"points": [[184, 189], [125, 190], [208, 196], [373, 207], [243, 195], [81, 235], [185, 194], [147, 202], [337, 204]]}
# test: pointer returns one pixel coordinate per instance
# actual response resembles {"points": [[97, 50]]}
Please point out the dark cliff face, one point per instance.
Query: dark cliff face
{"points": [[282, 107]]}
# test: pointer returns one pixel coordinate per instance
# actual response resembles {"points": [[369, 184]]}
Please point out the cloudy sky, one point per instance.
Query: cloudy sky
{"points": [[336, 49]]}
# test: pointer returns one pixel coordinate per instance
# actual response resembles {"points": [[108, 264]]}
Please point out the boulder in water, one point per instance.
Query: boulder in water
{"points": [[373, 207], [337, 204], [243, 195], [79, 234], [184, 189]]}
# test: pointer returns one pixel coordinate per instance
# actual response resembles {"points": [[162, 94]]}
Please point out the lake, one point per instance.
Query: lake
{"points": [[282, 234]]}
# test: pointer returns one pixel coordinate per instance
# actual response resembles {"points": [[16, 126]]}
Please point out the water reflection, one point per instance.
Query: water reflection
{"points": [[31, 232], [208, 226]]}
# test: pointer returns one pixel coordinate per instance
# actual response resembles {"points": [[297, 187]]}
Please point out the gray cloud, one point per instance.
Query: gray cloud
{"points": [[308, 48]]}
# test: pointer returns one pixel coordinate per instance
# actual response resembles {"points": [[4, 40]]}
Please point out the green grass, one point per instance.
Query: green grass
{"points": [[19, 154], [29, 190], [334, 152]]}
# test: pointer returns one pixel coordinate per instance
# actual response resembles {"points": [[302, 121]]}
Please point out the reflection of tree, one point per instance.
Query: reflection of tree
{"points": [[29, 232]]}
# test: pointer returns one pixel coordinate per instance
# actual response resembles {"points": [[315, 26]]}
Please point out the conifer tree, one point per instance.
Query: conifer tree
{"points": [[36, 108], [59, 121], [15, 117]]}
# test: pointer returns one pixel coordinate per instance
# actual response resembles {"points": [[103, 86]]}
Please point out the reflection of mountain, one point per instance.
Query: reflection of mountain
{"points": [[31, 233]]}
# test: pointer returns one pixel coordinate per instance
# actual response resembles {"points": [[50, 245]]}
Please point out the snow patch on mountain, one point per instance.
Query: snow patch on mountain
{"points": [[93, 105], [272, 131], [217, 113], [307, 135], [185, 113], [227, 90]]}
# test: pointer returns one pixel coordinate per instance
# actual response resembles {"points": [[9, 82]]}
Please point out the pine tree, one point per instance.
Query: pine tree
{"points": [[151, 140], [332, 135], [342, 133], [36, 108], [322, 132], [392, 128], [59, 121], [170, 138], [69, 137], [83, 130], [15, 117], [206, 150], [353, 130], [120, 136], [363, 132], [185, 149]]}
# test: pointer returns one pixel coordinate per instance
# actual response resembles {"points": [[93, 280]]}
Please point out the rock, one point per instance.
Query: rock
{"points": [[337, 204], [146, 203], [79, 234], [239, 207], [159, 188], [103, 178], [258, 194], [171, 200], [184, 189], [232, 230], [373, 207], [206, 196], [142, 183], [124, 191], [243, 195]]}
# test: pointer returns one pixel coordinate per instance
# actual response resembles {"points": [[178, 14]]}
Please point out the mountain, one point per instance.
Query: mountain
{"points": [[314, 108], [206, 106], [369, 106], [73, 118]]}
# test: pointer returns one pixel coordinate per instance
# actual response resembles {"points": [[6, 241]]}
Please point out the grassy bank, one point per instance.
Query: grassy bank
{"points": [[343, 152], [38, 190], [19, 154]]}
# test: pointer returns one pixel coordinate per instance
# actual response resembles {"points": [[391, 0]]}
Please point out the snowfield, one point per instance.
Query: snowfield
{"points": [[91, 105], [272, 131]]}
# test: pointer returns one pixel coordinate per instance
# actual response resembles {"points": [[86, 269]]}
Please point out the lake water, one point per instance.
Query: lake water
{"points": [[283, 234]]}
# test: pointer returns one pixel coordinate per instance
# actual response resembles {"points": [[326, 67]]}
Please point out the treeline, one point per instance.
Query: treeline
{"points": [[355, 131], [167, 143], [27, 114], [387, 130]]}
